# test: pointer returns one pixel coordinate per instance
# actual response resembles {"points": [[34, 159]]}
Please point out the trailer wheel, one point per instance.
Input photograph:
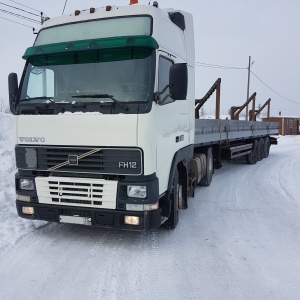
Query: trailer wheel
{"points": [[175, 198], [267, 147], [206, 180], [252, 156], [261, 149]]}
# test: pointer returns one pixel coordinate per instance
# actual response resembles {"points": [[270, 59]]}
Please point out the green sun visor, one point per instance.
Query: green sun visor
{"points": [[95, 44]]}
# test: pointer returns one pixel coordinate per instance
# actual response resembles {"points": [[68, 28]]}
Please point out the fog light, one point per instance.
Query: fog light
{"points": [[136, 191], [26, 184], [132, 220], [27, 210]]}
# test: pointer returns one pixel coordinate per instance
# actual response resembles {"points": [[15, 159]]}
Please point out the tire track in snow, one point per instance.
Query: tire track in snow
{"points": [[283, 173]]}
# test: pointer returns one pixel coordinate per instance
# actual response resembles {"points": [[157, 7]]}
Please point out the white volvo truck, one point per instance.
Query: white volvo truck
{"points": [[105, 130]]}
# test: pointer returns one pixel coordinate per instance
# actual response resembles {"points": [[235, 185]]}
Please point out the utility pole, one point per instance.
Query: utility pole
{"points": [[248, 86]]}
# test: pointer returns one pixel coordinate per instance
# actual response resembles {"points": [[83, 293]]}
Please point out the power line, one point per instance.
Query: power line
{"points": [[29, 8], [273, 90], [24, 5], [200, 64], [16, 22], [19, 16], [19, 9]]}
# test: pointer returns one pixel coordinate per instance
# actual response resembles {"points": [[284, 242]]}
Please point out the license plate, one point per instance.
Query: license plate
{"points": [[76, 220]]}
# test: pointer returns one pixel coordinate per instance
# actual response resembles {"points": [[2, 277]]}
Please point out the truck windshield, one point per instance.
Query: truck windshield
{"points": [[72, 77]]}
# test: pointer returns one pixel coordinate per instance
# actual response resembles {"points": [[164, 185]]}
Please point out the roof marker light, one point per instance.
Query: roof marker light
{"points": [[77, 12], [92, 10], [108, 8], [133, 2]]}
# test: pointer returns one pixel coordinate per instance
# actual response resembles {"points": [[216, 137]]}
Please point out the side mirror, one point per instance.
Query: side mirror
{"points": [[12, 90], [178, 81]]}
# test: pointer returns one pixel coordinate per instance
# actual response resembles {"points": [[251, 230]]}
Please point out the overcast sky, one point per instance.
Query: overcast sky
{"points": [[226, 34]]}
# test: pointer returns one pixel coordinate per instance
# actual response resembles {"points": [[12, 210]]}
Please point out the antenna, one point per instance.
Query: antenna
{"points": [[64, 7]]}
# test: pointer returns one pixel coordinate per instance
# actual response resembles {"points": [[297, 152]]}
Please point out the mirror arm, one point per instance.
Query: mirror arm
{"points": [[157, 95], [160, 102], [13, 102]]}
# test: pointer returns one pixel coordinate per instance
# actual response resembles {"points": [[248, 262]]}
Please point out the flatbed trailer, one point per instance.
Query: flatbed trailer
{"points": [[210, 132]]}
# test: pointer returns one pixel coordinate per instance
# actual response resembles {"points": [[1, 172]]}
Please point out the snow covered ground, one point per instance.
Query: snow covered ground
{"points": [[11, 226], [239, 239]]}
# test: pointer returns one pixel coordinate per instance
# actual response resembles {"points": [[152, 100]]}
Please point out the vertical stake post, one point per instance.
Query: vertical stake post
{"points": [[248, 85]]}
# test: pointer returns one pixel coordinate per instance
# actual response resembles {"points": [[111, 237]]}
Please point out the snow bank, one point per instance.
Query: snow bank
{"points": [[12, 227]]}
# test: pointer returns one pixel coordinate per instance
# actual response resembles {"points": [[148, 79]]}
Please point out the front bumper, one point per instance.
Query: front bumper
{"points": [[101, 218]]}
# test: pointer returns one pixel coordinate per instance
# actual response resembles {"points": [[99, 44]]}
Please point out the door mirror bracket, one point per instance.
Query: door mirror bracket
{"points": [[157, 95]]}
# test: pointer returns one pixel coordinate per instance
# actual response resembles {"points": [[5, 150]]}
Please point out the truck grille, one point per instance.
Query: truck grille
{"points": [[121, 161], [77, 192]]}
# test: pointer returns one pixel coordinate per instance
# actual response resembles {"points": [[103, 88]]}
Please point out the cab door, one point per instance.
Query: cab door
{"points": [[172, 121]]}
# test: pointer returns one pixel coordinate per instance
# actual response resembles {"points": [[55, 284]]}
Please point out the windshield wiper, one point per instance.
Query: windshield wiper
{"points": [[101, 96], [41, 98]]}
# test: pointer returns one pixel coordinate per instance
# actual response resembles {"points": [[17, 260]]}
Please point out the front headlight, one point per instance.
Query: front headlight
{"points": [[136, 191], [26, 184]]}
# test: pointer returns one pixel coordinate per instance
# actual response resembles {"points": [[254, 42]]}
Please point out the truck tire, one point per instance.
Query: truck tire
{"points": [[252, 156], [206, 180], [175, 195], [267, 147], [261, 149]]}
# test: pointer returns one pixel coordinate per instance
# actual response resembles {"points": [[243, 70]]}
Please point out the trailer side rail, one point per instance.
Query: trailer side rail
{"points": [[219, 131]]}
